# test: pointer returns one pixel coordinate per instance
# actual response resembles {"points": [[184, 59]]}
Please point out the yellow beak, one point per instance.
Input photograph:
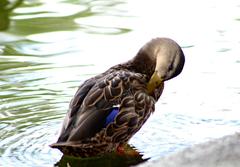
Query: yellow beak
{"points": [[154, 82]]}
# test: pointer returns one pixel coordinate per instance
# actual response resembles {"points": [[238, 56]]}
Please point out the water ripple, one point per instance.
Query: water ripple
{"points": [[24, 147]]}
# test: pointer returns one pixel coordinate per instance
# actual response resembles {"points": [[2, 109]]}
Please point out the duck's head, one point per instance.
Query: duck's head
{"points": [[161, 59]]}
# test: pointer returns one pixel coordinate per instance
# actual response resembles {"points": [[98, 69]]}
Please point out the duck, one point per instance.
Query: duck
{"points": [[109, 108]]}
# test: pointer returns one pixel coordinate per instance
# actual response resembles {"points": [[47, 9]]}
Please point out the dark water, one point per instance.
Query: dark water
{"points": [[47, 48]]}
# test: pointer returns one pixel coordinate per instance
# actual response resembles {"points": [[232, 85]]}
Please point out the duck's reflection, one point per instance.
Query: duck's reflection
{"points": [[5, 9], [131, 157]]}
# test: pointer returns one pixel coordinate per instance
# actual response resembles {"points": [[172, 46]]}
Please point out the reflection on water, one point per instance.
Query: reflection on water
{"points": [[108, 160], [5, 8], [47, 48]]}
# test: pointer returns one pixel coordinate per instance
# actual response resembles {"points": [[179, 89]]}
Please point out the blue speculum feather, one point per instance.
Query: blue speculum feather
{"points": [[110, 118]]}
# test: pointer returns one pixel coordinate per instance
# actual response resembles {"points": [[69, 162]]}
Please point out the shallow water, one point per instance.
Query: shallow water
{"points": [[47, 48]]}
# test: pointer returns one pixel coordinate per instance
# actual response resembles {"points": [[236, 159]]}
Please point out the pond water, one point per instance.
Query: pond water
{"points": [[48, 48]]}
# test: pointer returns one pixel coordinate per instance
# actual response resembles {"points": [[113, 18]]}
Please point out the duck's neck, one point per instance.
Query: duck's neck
{"points": [[141, 63]]}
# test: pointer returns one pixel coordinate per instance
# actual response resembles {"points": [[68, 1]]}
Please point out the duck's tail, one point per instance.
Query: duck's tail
{"points": [[80, 149]]}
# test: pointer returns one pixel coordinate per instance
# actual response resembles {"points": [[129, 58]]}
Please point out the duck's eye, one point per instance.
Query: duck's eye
{"points": [[170, 67]]}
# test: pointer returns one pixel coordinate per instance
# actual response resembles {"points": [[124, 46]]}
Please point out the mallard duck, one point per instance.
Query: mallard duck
{"points": [[108, 109]]}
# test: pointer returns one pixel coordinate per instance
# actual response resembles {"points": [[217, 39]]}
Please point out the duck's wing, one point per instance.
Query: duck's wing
{"points": [[93, 103], [75, 104]]}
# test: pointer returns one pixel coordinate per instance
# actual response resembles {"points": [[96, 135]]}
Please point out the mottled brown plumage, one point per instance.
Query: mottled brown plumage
{"points": [[133, 88]]}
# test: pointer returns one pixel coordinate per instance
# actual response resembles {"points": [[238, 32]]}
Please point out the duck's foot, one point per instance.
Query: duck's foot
{"points": [[126, 150]]}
